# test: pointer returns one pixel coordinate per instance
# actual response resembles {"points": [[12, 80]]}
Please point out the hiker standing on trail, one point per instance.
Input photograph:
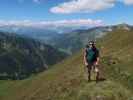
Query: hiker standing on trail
{"points": [[91, 59]]}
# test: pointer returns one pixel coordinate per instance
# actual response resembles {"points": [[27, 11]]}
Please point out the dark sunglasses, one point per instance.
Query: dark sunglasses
{"points": [[91, 44]]}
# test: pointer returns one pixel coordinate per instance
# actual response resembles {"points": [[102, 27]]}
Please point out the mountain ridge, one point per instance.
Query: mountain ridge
{"points": [[21, 56], [75, 40]]}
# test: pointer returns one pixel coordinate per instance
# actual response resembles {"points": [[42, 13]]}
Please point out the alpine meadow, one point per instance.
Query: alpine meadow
{"points": [[66, 50]]}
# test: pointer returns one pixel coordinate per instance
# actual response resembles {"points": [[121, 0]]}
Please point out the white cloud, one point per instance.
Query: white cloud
{"points": [[75, 22], [128, 2], [59, 23], [75, 6]]}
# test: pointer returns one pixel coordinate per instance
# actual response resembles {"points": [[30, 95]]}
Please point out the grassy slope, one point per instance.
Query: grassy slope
{"points": [[66, 81], [118, 48]]}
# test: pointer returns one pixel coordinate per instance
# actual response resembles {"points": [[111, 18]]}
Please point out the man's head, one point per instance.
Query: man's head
{"points": [[91, 44]]}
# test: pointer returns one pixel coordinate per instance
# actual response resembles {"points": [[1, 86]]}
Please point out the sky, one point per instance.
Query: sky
{"points": [[66, 12]]}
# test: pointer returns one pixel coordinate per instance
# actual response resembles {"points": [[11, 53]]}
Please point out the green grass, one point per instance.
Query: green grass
{"points": [[67, 80]]}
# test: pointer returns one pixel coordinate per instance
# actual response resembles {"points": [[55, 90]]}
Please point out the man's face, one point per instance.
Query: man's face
{"points": [[90, 45]]}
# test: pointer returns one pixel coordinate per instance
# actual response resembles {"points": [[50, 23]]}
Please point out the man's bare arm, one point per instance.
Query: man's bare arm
{"points": [[85, 60], [98, 58]]}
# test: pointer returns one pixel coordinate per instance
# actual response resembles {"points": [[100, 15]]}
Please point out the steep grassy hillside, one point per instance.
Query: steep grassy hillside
{"points": [[117, 54], [21, 56], [67, 81]]}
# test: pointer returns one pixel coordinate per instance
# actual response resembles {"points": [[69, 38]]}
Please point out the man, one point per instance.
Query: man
{"points": [[91, 59]]}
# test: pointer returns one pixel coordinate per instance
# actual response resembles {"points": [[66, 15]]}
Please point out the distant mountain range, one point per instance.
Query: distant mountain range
{"points": [[21, 56], [67, 39], [75, 40], [42, 33]]}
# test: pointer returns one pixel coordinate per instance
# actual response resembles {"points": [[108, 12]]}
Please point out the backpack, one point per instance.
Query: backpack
{"points": [[92, 54]]}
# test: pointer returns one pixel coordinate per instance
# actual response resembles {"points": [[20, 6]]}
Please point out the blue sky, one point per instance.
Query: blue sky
{"points": [[108, 11]]}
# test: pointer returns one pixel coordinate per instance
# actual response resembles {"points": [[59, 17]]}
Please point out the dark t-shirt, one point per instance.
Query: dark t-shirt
{"points": [[92, 54]]}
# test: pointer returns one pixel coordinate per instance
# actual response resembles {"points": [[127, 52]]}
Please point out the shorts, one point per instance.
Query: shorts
{"points": [[92, 66]]}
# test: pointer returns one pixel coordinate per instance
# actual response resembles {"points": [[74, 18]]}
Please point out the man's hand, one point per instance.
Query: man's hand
{"points": [[96, 63], [86, 64]]}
